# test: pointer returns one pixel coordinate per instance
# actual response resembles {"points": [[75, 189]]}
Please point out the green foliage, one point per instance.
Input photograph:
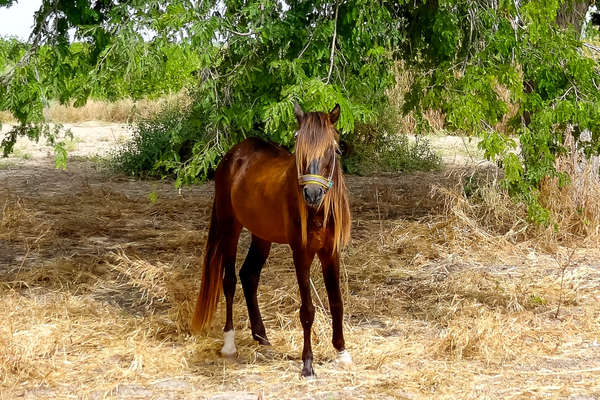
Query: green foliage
{"points": [[139, 69], [508, 56], [250, 62], [110, 59], [262, 58], [374, 149], [11, 51]]}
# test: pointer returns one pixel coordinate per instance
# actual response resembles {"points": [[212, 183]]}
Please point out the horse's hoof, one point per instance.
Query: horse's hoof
{"points": [[344, 359], [310, 375], [228, 350], [262, 340], [308, 372], [229, 356]]}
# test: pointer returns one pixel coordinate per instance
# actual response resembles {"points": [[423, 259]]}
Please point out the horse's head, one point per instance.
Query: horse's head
{"points": [[316, 148]]}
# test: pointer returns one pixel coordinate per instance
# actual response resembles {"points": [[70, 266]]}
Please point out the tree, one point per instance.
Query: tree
{"points": [[478, 59], [257, 58], [474, 61]]}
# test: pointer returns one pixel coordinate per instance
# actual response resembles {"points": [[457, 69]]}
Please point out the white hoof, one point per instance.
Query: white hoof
{"points": [[228, 350], [344, 359]]}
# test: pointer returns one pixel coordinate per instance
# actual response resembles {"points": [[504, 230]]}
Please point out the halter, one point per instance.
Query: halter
{"points": [[325, 183]]}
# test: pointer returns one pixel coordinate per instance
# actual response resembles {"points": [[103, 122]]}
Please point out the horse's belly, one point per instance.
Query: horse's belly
{"points": [[265, 219], [260, 187]]}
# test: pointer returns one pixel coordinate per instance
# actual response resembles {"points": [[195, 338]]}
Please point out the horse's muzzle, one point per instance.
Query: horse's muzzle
{"points": [[313, 194]]}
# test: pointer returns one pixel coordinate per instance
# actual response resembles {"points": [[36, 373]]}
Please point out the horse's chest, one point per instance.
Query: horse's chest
{"points": [[316, 233]]}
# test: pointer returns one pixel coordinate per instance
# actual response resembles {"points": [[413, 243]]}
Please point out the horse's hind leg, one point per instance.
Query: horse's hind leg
{"points": [[330, 264], [250, 275], [229, 248]]}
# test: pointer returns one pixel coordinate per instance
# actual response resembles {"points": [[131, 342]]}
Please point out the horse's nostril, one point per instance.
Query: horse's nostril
{"points": [[313, 194]]}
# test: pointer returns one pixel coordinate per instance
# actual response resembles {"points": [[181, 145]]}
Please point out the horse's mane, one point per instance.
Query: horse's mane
{"points": [[316, 137]]}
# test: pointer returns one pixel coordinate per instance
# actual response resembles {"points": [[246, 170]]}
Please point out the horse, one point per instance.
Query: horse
{"points": [[297, 199]]}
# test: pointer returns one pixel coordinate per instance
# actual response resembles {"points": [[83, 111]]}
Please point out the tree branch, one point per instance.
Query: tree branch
{"points": [[35, 39], [592, 47], [249, 33], [337, 6], [307, 44]]}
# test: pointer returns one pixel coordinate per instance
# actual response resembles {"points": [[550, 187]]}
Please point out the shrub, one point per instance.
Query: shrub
{"points": [[158, 142], [372, 148]]}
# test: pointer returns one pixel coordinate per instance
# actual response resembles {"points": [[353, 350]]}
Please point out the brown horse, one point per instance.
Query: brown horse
{"points": [[300, 200]]}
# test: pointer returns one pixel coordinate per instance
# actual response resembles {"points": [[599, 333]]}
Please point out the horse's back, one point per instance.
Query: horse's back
{"points": [[256, 146], [255, 178]]}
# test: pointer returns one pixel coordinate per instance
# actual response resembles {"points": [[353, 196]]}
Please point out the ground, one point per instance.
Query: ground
{"points": [[99, 273]]}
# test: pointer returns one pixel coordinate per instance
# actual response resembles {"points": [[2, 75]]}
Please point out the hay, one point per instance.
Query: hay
{"points": [[98, 283]]}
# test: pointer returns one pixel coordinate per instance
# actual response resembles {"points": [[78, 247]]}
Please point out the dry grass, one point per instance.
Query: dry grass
{"points": [[123, 111], [98, 284], [490, 215], [5, 116]]}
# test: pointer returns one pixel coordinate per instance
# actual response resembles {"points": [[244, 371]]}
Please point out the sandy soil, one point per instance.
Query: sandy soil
{"points": [[98, 274], [90, 139]]}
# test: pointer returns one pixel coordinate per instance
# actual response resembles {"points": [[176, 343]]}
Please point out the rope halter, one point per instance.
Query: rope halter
{"points": [[312, 179]]}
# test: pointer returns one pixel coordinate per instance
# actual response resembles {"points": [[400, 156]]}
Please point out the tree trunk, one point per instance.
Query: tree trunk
{"points": [[572, 13]]}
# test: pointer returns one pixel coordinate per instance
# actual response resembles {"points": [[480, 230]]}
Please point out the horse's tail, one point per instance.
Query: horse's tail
{"points": [[212, 278]]}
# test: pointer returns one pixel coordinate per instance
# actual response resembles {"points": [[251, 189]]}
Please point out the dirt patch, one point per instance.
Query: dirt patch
{"points": [[91, 138], [98, 280]]}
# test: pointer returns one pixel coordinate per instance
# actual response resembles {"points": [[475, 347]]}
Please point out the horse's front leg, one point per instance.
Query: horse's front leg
{"points": [[330, 264], [302, 261]]}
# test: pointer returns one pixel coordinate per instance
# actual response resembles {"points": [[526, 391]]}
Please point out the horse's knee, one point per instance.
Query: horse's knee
{"points": [[307, 314]]}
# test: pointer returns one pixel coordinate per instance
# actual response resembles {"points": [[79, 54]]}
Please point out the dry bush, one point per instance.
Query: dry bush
{"points": [[435, 118], [513, 109], [482, 211], [403, 123], [487, 212], [575, 206], [407, 123]]}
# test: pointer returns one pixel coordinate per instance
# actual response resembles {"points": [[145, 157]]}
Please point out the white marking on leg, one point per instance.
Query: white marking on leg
{"points": [[228, 350], [344, 359]]}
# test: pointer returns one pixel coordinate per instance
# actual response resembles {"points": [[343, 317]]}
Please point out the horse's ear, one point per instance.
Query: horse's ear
{"points": [[299, 113], [334, 114]]}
